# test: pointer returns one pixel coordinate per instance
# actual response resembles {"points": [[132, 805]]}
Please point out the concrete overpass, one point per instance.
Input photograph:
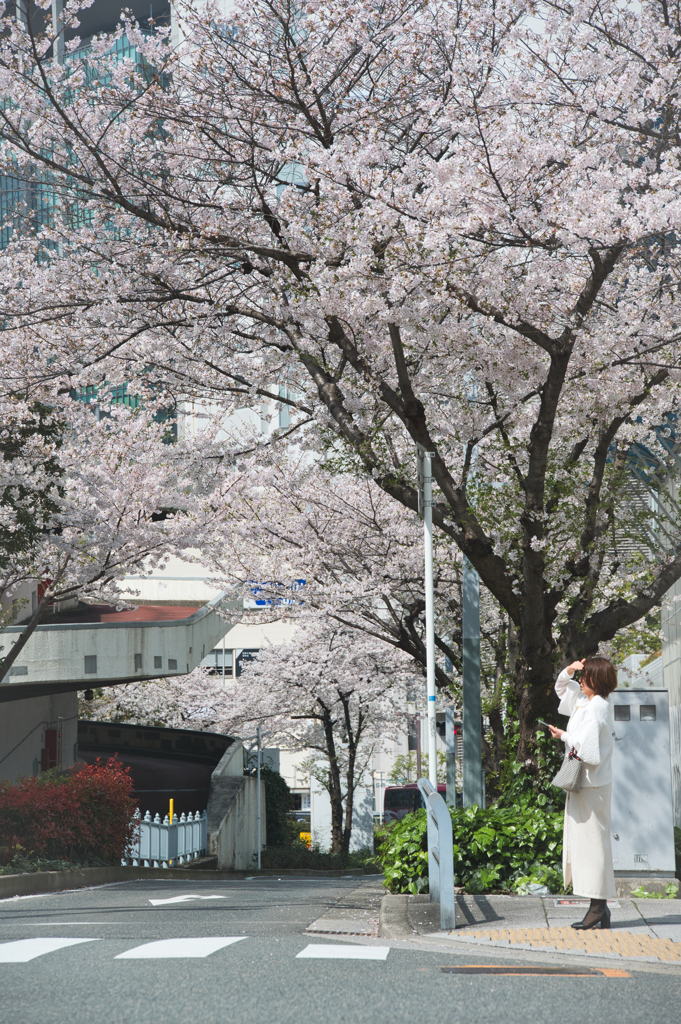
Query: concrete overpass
{"points": [[93, 646]]}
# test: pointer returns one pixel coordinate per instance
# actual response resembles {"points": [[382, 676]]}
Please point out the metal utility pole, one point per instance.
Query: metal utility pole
{"points": [[472, 711], [259, 738], [425, 491]]}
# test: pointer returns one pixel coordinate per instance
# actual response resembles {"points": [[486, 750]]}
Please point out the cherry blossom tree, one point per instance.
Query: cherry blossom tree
{"points": [[334, 694], [195, 701], [340, 552], [88, 496], [412, 223]]}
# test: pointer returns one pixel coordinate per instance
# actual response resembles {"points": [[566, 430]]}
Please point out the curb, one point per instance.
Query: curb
{"points": [[393, 921], [308, 873], [36, 882]]}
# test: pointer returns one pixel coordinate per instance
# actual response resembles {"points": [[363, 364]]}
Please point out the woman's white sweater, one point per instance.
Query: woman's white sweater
{"points": [[589, 730]]}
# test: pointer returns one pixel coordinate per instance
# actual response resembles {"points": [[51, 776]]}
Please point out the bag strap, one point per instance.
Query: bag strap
{"points": [[573, 755]]}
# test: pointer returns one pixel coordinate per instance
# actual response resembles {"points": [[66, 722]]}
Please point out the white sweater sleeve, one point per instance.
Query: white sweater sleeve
{"points": [[592, 727], [568, 691]]}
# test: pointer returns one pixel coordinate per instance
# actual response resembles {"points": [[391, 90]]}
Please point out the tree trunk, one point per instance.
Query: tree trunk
{"points": [[535, 698], [353, 741], [334, 787]]}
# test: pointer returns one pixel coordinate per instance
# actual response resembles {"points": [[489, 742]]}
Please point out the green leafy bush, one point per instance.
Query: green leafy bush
{"points": [[670, 893], [530, 784], [495, 849], [297, 855]]}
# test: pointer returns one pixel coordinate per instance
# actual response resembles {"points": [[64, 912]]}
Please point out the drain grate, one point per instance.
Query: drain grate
{"points": [[530, 971]]}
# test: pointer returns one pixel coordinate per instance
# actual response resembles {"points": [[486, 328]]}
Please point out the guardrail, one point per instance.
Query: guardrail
{"points": [[440, 854], [164, 843]]}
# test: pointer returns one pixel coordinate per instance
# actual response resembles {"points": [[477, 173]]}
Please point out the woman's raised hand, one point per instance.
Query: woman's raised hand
{"points": [[574, 667]]}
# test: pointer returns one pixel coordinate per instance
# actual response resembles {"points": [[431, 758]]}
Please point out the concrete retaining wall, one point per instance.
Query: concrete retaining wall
{"points": [[22, 732]]}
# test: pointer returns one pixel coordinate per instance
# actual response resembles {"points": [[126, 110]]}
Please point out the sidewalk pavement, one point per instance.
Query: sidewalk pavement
{"points": [[642, 931], [355, 914], [645, 930]]}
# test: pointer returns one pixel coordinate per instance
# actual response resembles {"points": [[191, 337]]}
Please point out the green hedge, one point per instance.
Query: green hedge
{"points": [[499, 849]]}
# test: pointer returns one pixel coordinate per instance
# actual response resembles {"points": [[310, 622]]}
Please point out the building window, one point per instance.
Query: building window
{"points": [[90, 664], [158, 661], [138, 663], [172, 663]]}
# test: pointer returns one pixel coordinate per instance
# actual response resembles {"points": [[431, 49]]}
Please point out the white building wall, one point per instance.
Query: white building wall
{"points": [[27, 595], [671, 663], [362, 836]]}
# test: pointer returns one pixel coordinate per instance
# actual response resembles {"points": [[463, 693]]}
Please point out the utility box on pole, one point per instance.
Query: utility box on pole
{"points": [[642, 822]]}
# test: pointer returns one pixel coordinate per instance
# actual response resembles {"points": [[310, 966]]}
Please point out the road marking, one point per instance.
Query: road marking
{"points": [[178, 948], [23, 950], [184, 899], [318, 951], [561, 972], [55, 924], [31, 896]]}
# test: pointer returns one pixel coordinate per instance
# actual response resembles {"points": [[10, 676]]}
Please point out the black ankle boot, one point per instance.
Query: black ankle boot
{"points": [[597, 916]]}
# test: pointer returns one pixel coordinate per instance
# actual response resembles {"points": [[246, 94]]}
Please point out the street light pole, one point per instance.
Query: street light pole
{"points": [[259, 736], [425, 481]]}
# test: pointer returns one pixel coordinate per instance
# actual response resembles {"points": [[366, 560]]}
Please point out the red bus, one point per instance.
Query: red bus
{"points": [[402, 800]]}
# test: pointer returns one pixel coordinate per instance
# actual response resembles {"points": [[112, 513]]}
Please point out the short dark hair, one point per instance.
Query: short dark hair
{"points": [[600, 676]]}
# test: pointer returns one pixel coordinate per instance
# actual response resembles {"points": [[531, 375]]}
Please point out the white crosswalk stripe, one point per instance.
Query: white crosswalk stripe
{"points": [[178, 948], [184, 899], [23, 950], [319, 951]]}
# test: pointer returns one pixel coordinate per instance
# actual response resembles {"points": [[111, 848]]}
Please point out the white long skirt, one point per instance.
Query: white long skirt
{"points": [[587, 850]]}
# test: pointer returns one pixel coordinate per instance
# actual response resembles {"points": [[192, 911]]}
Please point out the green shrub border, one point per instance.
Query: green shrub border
{"points": [[495, 850]]}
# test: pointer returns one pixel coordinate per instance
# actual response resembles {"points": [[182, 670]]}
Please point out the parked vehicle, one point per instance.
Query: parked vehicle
{"points": [[402, 800]]}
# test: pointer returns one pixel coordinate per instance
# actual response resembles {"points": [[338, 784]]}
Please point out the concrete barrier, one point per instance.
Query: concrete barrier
{"points": [[233, 815]]}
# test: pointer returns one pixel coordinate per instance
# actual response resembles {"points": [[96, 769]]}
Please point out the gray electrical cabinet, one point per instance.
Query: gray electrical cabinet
{"points": [[642, 814]]}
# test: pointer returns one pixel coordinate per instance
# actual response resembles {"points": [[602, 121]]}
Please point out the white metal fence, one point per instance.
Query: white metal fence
{"points": [[162, 843]]}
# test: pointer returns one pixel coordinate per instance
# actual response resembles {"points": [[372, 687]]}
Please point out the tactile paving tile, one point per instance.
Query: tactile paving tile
{"points": [[606, 942]]}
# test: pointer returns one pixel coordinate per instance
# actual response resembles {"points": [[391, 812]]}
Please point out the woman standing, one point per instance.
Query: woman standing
{"points": [[587, 852]]}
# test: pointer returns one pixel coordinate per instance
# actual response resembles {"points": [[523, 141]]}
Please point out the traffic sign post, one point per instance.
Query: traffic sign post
{"points": [[440, 854]]}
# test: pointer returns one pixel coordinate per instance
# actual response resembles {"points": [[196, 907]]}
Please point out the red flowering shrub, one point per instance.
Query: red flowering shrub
{"points": [[82, 816]]}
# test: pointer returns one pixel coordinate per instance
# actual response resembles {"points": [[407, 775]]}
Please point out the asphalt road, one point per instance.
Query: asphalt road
{"points": [[197, 976]]}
